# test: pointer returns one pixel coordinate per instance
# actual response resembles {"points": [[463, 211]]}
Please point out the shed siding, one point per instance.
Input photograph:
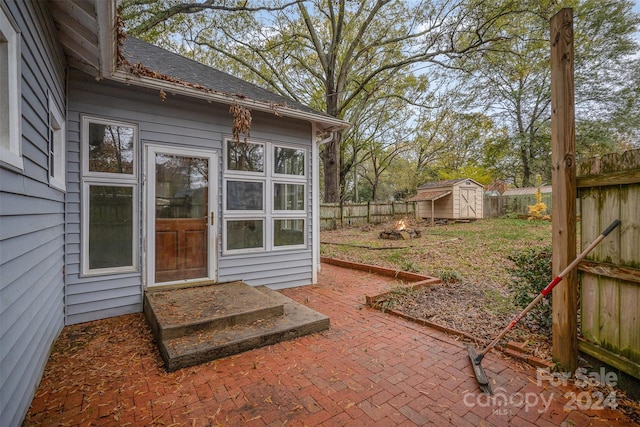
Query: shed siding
{"points": [[177, 120], [450, 206], [31, 222]]}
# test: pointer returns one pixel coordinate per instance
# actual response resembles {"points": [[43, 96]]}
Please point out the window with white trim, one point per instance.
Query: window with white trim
{"points": [[56, 146], [10, 102], [265, 192], [109, 196]]}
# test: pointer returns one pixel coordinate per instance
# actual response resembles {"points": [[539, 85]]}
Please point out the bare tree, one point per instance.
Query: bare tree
{"points": [[334, 55]]}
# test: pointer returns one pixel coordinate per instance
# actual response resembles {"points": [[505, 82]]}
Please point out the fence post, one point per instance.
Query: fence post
{"points": [[369, 212], [563, 178]]}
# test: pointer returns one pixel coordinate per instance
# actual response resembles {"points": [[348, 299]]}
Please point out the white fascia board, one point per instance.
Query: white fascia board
{"points": [[324, 123], [107, 39]]}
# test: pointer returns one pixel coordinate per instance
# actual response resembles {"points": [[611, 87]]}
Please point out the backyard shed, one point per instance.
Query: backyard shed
{"points": [[452, 199]]}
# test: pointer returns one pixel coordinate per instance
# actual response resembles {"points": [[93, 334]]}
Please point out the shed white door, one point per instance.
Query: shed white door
{"points": [[468, 203], [180, 215]]}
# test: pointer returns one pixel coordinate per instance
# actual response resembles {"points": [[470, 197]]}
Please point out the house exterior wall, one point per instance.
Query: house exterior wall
{"points": [[177, 121], [31, 221]]}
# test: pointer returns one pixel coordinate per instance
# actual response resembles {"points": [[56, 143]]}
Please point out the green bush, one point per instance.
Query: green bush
{"points": [[530, 274], [448, 275]]}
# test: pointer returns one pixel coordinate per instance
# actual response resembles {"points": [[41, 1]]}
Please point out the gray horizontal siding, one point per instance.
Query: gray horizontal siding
{"points": [[31, 222], [176, 121], [278, 269]]}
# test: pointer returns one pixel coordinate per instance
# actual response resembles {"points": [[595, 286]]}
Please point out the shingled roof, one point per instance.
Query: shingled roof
{"points": [[196, 76]]}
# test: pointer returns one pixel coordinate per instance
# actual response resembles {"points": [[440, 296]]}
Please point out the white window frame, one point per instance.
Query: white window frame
{"points": [[304, 232], [240, 212], [287, 212], [57, 146], [254, 174], [11, 103], [265, 229], [268, 214], [86, 120], [108, 179], [281, 178], [134, 267], [286, 175]]}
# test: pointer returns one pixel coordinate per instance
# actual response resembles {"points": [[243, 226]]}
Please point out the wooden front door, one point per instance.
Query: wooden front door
{"points": [[181, 249], [181, 232]]}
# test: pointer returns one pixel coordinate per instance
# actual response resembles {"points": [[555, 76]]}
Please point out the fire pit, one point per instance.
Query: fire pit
{"points": [[400, 231]]}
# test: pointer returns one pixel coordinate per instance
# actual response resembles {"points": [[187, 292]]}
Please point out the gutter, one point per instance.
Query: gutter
{"points": [[325, 123], [327, 139]]}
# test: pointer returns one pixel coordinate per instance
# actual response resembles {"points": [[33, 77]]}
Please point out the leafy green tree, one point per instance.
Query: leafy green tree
{"points": [[513, 82]]}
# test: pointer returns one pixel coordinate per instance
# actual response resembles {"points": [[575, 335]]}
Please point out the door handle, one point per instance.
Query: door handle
{"points": [[213, 215]]}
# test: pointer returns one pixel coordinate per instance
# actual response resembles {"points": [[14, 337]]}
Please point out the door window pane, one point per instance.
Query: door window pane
{"points": [[245, 195], [288, 197], [110, 226], [288, 161], [181, 186], [288, 232], [245, 157], [111, 148], [245, 234]]}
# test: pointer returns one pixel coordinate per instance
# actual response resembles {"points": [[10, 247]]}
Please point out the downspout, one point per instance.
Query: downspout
{"points": [[315, 200]]}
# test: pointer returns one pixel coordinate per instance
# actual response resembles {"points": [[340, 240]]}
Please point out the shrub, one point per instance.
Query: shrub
{"points": [[531, 273], [448, 275]]}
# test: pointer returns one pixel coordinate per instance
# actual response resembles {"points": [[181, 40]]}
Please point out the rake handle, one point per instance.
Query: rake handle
{"points": [[547, 290]]}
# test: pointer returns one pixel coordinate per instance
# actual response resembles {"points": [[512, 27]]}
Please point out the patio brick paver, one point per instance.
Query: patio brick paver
{"points": [[369, 369]]}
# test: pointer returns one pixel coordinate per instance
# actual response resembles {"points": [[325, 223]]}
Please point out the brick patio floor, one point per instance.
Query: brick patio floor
{"points": [[369, 369]]}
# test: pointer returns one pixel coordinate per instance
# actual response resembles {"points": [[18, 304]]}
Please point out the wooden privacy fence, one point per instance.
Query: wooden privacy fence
{"points": [[501, 205], [335, 215], [609, 189]]}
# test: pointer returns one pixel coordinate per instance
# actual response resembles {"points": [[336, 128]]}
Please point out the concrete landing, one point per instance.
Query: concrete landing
{"points": [[199, 324]]}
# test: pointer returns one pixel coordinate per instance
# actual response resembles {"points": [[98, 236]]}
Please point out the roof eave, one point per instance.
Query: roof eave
{"points": [[324, 123], [107, 29]]}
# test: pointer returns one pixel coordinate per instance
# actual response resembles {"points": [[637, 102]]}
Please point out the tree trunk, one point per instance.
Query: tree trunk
{"points": [[331, 167], [525, 159]]}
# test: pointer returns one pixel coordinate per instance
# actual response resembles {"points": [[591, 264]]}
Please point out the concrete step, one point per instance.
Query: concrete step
{"points": [[205, 343], [172, 313]]}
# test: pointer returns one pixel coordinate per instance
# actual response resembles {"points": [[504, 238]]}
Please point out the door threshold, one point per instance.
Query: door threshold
{"points": [[182, 284]]}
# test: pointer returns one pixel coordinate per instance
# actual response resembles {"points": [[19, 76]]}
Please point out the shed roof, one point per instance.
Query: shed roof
{"points": [[429, 195]]}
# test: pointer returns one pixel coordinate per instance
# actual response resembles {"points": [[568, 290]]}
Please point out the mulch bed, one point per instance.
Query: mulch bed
{"points": [[465, 307]]}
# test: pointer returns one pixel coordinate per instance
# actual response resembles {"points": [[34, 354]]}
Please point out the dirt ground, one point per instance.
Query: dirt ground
{"points": [[471, 258]]}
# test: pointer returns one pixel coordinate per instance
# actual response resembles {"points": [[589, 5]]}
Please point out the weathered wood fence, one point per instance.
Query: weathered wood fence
{"points": [[334, 216], [609, 189], [501, 205]]}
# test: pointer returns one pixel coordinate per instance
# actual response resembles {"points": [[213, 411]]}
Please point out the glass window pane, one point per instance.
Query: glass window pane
{"points": [[288, 197], [181, 186], [288, 232], [110, 226], [245, 196], [289, 161], [111, 148], [245, 234], [245, 157]]}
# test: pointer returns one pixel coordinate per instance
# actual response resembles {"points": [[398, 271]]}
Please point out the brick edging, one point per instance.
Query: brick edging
{"points": [[383, 271], [418, 280], [510, 350]]}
